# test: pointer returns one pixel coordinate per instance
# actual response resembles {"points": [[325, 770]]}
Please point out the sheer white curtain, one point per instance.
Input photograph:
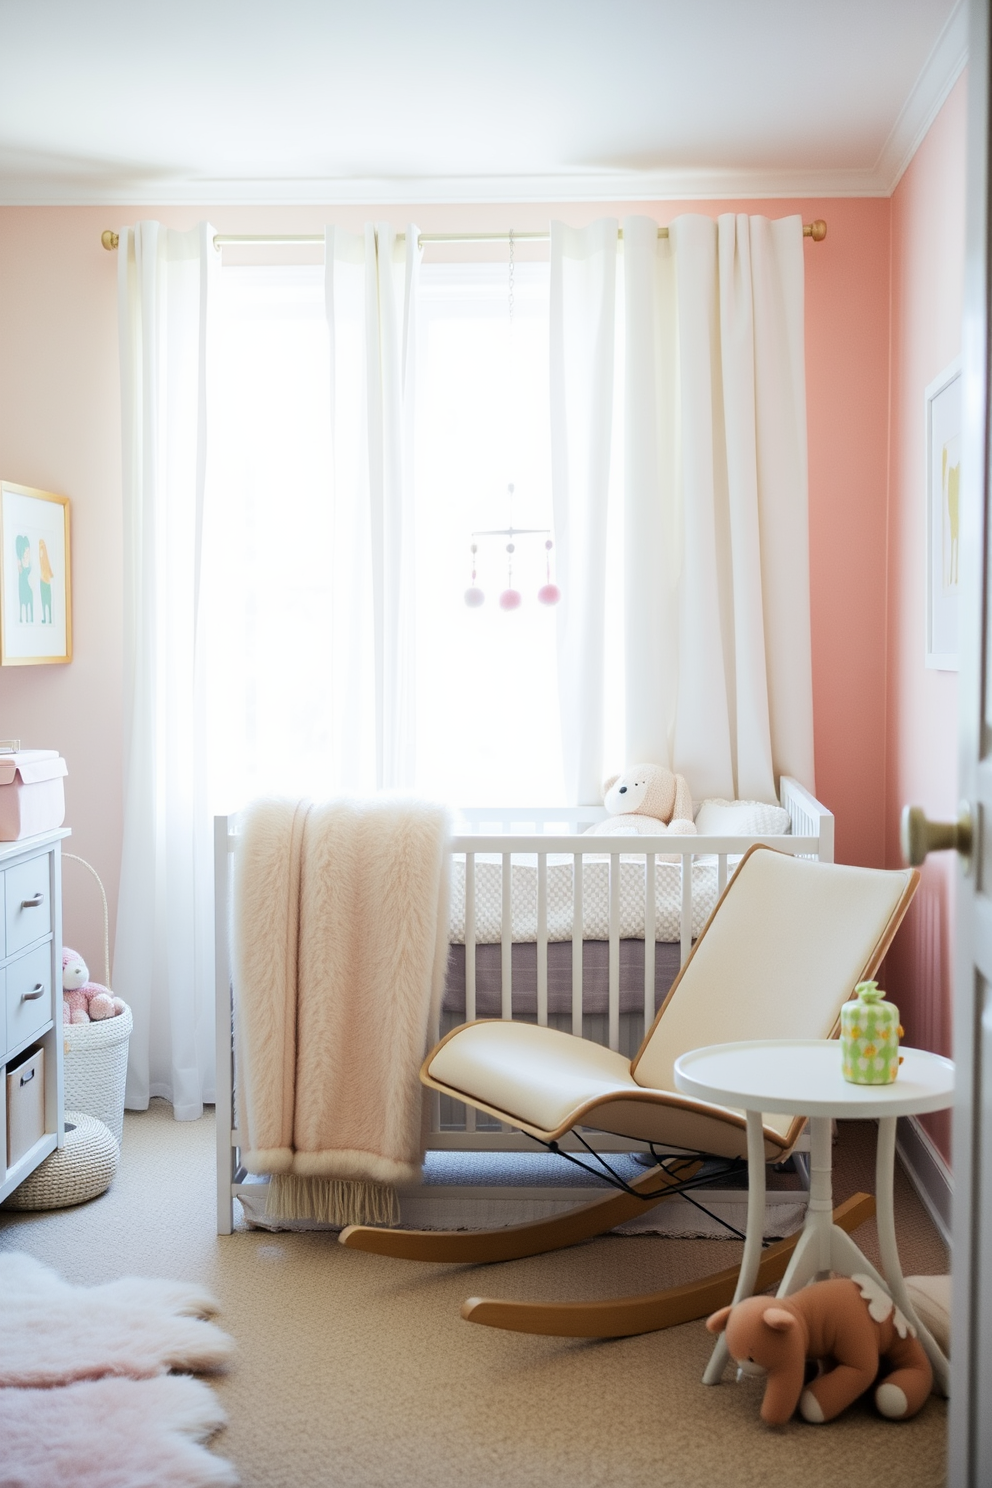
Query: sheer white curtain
{"points": [[582, 317], [716, 560], [163, 959], [370, 294]]}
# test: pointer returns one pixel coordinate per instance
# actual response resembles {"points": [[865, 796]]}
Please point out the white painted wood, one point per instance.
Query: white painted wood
{"points": [[507, 990], [803, 1077], [577, 924], [970, 1425], [614, 970], [31, 957], [542, 940]]}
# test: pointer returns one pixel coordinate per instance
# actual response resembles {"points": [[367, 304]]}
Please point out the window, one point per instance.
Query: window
{"points": [[487, 707]]}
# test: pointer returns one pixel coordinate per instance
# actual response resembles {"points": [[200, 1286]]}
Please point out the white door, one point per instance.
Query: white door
{"points": [[970, 1433]]}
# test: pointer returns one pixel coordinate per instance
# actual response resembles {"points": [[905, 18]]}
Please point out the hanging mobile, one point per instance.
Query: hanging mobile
{"points": [[474, 596], [511, 598], [548, 594]]}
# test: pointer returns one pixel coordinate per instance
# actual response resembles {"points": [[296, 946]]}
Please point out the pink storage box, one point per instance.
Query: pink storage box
{"points": [[32, 796]]}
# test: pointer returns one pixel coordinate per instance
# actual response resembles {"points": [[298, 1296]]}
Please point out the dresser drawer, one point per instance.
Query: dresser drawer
{"points": [[28, 901], [29, 995]]}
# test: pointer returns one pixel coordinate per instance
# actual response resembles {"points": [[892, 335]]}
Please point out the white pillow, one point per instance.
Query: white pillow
{"points": [[716, 818], [931, 1296]]}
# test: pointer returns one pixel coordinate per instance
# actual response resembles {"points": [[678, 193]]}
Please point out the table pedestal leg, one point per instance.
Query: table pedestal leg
{"points": [[751, 1259], [812, 1256], [885, 1154]]}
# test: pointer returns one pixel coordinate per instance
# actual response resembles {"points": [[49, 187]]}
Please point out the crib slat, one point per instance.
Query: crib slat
{"points": [[469, 937], [650, 905], [614, 984], [721, 872], [506, 1007], [686, 926], [542, 939], [577, 928]]}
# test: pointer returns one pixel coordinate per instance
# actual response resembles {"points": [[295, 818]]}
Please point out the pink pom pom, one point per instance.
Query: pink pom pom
{"points": [[548, 594], [510, 599]]}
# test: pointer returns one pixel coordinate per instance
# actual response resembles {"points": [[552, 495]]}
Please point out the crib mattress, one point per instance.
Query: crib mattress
{"points": [[595, 978], [595, 897]]}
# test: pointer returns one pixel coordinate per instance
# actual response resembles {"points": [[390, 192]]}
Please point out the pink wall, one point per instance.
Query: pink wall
{"points": [[60, 428], [928, 211]]}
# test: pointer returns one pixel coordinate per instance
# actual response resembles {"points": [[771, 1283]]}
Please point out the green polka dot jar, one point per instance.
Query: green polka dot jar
{"points": [[869, 1037]]}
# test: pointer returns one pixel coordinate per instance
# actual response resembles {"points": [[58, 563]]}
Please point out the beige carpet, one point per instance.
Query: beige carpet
{"points": [[357, 1372]]}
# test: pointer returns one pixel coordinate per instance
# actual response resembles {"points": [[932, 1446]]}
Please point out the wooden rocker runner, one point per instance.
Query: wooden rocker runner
{"points": [[786, 945]]}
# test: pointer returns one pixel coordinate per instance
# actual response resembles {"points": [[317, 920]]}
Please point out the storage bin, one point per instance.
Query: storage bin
{"points": [[25, 1104], [32, 796], [96, 1068]]}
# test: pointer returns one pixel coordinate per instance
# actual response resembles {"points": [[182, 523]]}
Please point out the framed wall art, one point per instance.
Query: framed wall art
{"points": [[943, 434], [35, 577]]}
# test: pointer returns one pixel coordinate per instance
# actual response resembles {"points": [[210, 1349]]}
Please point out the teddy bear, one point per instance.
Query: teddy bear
{"points": [[850, 1321], [84, 1001], [645, 800]]}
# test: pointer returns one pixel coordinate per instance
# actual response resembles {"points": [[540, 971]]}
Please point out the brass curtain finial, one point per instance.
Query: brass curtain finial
{"points": [[816, 231]]}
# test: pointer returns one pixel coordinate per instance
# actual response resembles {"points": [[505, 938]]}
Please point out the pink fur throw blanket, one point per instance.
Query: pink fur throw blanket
{"points": [[340, 946], [53, 1332], [85, 1399], [112, 1433]]}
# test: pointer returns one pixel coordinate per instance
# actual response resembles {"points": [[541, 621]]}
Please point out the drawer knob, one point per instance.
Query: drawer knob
{"points": [[39, 989], [33, 902]]}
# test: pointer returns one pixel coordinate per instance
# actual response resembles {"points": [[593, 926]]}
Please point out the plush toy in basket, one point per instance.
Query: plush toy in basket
{"points": [[851, 1322], [84, 1001]]}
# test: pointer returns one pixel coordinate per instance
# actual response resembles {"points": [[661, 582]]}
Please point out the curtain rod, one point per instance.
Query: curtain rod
{"points": [[816, 230]]}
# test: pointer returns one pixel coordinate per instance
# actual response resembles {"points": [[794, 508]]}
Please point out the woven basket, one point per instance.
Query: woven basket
{"points": [[80, 1170], [96, 1068]]}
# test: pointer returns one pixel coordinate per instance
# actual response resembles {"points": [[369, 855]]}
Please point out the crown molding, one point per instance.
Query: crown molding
{"points": [[941, 71], [626, 186]]}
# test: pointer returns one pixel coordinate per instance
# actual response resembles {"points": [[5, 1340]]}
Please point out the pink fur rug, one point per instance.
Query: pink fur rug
{"points": [[112, 1433], [85, 1397], [54, 1333]]}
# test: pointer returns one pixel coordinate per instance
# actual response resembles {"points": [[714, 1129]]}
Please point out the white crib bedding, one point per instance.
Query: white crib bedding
{"points": [[595, 897]]}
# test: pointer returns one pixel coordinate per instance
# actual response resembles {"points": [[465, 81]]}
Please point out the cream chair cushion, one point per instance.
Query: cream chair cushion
{"points": [[537, 1075], [782, 952]]}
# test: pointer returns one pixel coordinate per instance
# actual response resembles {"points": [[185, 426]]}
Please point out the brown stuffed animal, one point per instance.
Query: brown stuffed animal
{"points": [[853, 1323]]}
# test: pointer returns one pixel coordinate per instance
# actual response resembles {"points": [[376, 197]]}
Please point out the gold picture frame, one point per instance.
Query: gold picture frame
{"points": [[943, 444], [35, 577]]}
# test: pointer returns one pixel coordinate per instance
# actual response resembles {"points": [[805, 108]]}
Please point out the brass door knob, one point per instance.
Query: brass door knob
{"points": [[919, 836]]}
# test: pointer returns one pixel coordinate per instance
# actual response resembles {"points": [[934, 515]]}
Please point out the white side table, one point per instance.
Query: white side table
{"points": [[802, 1077]]}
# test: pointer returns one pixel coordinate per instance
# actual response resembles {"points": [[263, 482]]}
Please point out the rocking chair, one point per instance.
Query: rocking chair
{"points": [[785, 946]]}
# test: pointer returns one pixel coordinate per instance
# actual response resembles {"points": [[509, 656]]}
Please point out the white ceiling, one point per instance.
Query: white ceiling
{"points": [[466, 100]]}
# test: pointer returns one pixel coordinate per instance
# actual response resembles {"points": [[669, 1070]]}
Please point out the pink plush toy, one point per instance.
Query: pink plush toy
{"points": [[84, 1001]]}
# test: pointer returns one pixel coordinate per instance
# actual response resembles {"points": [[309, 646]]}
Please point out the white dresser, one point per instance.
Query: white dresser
{"points": [[31, 982]]}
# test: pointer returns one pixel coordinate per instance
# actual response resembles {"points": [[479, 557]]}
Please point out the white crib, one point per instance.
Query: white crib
{"points": [[532, 847]]}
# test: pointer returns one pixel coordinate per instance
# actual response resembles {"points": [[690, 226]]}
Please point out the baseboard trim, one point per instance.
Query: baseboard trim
{"points": [[928, 1172]]}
